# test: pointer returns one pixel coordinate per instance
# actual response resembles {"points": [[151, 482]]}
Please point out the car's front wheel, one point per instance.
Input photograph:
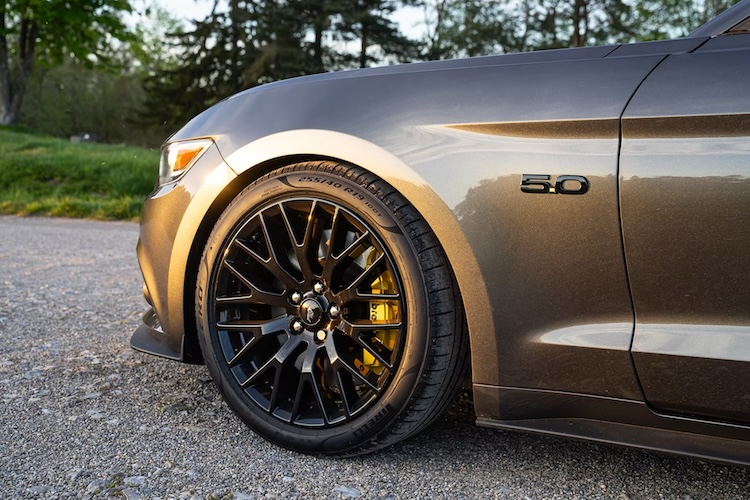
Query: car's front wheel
{"points": [[327, 313]]}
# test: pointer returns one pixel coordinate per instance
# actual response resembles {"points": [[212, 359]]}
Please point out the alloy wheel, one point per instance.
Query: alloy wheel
{"points": [[309, 311]]}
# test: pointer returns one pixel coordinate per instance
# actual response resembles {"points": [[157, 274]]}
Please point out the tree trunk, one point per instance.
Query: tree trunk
{"points": [[580, 24], [27, 53], [5, 94], [235, 70], [364, 42], [363, 47], [11, 97], [318, 47]]}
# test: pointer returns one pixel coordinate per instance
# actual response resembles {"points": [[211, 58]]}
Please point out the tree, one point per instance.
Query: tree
{"points": [[317, 18], [32, 30], [467, 28], [576, 23], [241, 44], [218, 56], [459, 28], [153, 50], [369, 22], [662, 19], [68, 99]]}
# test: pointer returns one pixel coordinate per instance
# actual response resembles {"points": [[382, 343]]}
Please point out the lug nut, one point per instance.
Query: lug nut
{"points": [[297, 326], [296, 297], [334, 311], [321, 335], [318, 287]]}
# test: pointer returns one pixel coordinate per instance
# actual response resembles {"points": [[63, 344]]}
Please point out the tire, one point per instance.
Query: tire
{"points": [[343, 335]]}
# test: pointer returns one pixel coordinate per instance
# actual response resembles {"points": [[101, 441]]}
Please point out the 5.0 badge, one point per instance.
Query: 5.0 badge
{"points": [[564, 184]]}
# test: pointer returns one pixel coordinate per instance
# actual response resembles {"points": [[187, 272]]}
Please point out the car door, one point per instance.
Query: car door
{"points": [[685, 207]]}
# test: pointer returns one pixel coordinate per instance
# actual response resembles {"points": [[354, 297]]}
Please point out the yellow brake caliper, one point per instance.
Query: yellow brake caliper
{"points": [[381, 311]]}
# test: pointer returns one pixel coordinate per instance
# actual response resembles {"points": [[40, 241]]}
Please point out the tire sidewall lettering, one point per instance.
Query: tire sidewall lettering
{"points": [[347, 190]]}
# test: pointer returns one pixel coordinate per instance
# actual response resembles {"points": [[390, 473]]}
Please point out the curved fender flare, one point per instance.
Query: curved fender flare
{"points": [[354, 150]]}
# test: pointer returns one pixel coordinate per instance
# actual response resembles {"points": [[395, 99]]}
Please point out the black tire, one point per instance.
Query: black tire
{"points": [[344, 335]]}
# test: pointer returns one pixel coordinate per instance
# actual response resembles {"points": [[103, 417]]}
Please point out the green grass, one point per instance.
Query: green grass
{"points": [[40, 175]]}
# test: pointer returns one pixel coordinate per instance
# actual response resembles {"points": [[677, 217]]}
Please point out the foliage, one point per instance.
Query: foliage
{"points": [[71, 97], [109, 110], [460, 28], [663, 19], [46, 176], [152, 50], [45, 31], [369, 22], [245, 43], [170, 70]]}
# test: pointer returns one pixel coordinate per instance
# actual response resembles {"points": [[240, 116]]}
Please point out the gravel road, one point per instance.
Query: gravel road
{"points": [[84, 416]]}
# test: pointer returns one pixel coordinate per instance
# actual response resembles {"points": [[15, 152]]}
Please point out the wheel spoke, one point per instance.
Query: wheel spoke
{"points": [[260, 371], [252, 253], [308, 371], [352, 294], [334, 260], [363, 276], [355, 332], [300, 248], [272, 263], [355, 329], [275, 264], [258, 329], [309, 226], [244, 350], [276, 361], [275, 391], [264, 327], [358, 375], [299, 394], [329, 258], [307, 380], [344, 390], [319, 399], [259, 296], [239, 299]]}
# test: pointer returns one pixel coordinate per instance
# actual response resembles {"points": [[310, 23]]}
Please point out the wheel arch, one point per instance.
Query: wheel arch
{"points": [[260, 157], [191, 351]]}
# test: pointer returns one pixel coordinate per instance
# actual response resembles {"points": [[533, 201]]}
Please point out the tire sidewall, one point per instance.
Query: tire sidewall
{"points": [[375, 420]]}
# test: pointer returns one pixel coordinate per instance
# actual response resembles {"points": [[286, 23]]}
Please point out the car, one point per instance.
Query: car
{"points": [[567, 232]]}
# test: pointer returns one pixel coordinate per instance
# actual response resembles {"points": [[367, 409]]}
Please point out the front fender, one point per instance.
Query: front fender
{"points": [[350, 149]]}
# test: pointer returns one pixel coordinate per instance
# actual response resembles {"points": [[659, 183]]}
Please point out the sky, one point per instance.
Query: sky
{"points": [[187, 9]]}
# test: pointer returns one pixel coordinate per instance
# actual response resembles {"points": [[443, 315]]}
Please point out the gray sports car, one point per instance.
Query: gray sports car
{"points": [[567, 231]]}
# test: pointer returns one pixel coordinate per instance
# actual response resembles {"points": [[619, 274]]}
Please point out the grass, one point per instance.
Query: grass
{"points": [[41, 175]]}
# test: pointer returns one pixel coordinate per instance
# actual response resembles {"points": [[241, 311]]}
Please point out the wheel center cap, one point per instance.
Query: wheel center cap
{"points": [[311, 312]]}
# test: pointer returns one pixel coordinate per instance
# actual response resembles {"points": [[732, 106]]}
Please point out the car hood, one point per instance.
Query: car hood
{"points": [[211, 122]]}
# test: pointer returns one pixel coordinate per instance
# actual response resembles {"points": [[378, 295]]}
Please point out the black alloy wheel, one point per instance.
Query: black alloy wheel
{"points": [[313, 311], [308, 311]]}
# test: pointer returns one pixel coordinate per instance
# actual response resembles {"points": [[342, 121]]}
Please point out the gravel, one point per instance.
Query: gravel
{"points": [[84, 416]]}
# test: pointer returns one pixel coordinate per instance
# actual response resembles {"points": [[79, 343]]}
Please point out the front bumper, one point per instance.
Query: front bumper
{"points": [[151, 339], [172, 220]]}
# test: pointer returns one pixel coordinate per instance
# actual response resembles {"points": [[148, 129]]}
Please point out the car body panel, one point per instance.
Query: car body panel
{"points": [[686, 224], [163, 249], [546, 279], [612, 421], [574, 106], [661, 47]]}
